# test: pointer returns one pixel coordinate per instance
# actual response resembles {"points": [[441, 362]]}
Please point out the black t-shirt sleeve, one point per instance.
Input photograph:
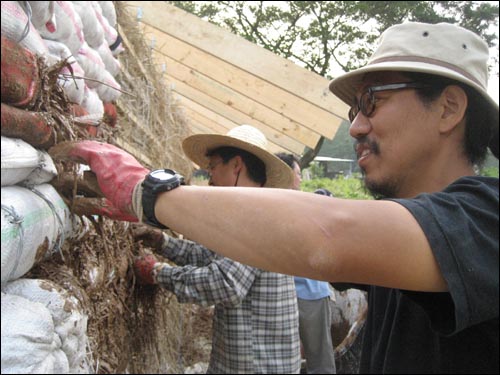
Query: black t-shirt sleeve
{"points": [[461, 225]]}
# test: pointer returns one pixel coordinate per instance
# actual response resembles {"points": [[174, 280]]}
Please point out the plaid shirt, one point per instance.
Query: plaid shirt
{"points": [[255, 324]]}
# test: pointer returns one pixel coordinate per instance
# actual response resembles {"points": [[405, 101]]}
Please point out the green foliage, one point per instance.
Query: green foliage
{"points": [[316, 170], [341, 187], [489, 172]]}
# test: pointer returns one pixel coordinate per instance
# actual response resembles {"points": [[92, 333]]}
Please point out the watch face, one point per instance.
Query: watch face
{"points": [[162, 174]]}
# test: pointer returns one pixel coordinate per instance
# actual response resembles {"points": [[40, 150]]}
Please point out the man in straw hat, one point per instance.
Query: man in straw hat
{"points": [[247, 336], [422, 120]]}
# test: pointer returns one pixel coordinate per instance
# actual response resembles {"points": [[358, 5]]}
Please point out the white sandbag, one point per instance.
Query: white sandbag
{"points": [[70, 322], [69, 28], [109, 90], [72, 80], [92, 64], [44, 172], [35, 224], [23, 164], [108, 11], [43, 15], [92, 29], [93, 104], [19, 159], [112, 64], [17, 27], [110, 33], [30, 344]]}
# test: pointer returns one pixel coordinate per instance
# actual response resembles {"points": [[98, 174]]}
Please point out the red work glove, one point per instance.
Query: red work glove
{"points": [[150, 237], [146, 268], [119, 174], [109, 210]]}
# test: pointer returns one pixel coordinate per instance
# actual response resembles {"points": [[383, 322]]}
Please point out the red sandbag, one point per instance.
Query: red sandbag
{"points": [[20, 81], [77, 110], [110, 115], [31, 127]]}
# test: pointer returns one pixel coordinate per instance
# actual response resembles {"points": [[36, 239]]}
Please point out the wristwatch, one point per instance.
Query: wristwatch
{"points": [[157, 181]]}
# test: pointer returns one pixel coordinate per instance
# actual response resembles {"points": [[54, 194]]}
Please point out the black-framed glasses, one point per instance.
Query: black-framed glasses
{"points": [[366, 103]]}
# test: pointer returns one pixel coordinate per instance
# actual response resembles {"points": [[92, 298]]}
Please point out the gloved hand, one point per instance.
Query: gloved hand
{"points": [[118, 173], [146, 268], [98, 206], [150, 237]]}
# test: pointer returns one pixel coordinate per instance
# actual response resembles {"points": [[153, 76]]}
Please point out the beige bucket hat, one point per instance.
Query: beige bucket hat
{"points": [[244, 137], [441, 49]]}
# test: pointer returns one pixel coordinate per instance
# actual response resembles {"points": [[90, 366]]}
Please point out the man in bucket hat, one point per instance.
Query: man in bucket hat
{"points": [[422, 121], [246, 299]]}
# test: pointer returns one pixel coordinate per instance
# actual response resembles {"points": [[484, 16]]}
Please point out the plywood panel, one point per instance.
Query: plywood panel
{"points": [[245, 83], [242, 103], [240, 52], [223, 114], [224, 80]]}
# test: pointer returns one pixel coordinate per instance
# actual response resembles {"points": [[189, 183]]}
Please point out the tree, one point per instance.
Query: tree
{"points": [[323, 36]]}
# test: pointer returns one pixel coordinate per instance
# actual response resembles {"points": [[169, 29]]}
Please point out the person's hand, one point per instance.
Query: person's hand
{"points": [[118, 173], [150, 237], [146, 268]]}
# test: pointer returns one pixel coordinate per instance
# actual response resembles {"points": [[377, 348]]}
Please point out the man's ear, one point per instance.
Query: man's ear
{"points": [[454, 101], [237, 164]]}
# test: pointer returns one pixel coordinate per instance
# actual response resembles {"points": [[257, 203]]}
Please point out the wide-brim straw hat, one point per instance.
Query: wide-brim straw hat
{"points": [[244, 137], [441, 49]]}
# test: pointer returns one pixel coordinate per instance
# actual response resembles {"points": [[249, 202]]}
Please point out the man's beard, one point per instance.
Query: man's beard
{"points": [[378, 189], [381, 189]]}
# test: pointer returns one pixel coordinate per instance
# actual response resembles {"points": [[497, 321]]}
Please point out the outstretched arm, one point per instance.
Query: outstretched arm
{"points": [[366, 242], [369, 242]]}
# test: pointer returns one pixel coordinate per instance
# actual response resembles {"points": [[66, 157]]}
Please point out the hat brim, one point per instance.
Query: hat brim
{"points": [[196, 147], [345, 86]]}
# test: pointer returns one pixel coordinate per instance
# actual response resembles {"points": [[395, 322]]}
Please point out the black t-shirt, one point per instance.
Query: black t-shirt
{"points": [[453, 332]]}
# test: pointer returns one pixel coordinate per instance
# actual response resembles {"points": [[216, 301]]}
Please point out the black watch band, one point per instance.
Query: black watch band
{"points": [[157, 181]]}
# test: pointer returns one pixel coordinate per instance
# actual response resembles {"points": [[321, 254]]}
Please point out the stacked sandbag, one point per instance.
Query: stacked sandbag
{"points": [[35, 224], [77, 32], [22, 163], [71, 76], [30, 344], [20, 74], [44, 328], [66, 334]]}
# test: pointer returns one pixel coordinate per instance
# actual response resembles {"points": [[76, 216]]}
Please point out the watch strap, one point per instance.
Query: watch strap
{"points": [[150, 191], [137, 202], [148, 205]]}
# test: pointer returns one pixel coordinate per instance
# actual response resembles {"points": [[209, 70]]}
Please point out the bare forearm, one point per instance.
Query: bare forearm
{"points": [[260, 227], [286, 231]]}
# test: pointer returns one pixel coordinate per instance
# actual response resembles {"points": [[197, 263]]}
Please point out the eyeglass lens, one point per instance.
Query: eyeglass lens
{"points": [[366, 103]]}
